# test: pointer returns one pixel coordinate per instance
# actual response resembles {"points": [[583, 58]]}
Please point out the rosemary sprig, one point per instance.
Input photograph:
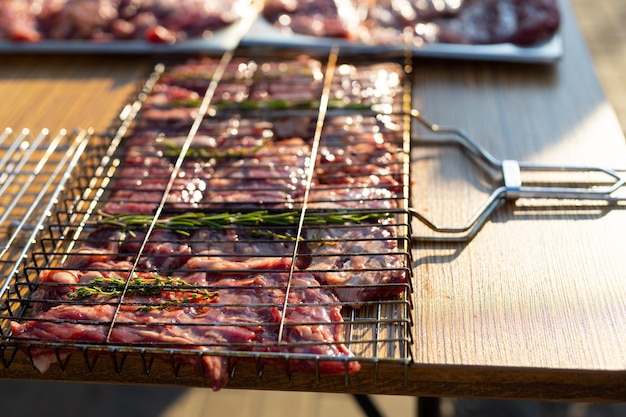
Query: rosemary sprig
{"points": [[274, 235], [112, 287], [173, 151], [283, 104], [182, 222], [273, 104]]}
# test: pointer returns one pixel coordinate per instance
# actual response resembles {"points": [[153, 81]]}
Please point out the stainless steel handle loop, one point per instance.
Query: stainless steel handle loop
{"points": [[604, 185]]}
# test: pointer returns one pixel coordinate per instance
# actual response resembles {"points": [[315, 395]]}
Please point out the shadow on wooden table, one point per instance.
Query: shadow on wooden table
{"points": [[51, 399], [501, 408]]}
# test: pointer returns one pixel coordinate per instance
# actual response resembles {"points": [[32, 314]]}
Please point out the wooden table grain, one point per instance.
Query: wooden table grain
{"points": [[537, 300], [534, 307]]}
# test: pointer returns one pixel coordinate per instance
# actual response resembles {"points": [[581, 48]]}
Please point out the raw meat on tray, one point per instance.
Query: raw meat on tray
{"points": [[336, 18], [414, 23], [160, 21]]}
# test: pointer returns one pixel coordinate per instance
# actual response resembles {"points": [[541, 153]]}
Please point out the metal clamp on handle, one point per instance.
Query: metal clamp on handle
{"points": [[603, 186], [512, 176]]}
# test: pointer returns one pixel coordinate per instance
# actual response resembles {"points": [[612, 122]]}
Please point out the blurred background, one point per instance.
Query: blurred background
{"points": [[602, 24]]}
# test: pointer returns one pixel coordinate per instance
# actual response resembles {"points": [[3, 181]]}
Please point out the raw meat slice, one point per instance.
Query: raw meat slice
{"points": [[360, 263], [312, 325], [352, 197], [337, 18], [229, 313], [241, 250]]}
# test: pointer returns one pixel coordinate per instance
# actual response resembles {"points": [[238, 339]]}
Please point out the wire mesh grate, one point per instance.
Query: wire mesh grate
{"points": [[256, 228], [34, 171]]}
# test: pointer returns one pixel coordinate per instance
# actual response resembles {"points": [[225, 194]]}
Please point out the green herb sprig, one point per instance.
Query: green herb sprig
{"points": [[173, 151], [112, 287], [182, 222], [274, 104]]}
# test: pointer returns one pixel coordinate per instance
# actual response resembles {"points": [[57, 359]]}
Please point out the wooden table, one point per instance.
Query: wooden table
{"points": [[534, 306]]}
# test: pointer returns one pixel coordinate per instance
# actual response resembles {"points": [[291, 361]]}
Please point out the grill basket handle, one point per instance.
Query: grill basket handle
{"points": [[582, 182]]}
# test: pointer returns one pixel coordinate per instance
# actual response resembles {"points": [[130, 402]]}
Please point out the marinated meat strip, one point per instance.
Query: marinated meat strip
{"points": [[361, 263], [164, 251], [247, 84], [272, 176], [143, 177], [239, 250], [359, 154], [168, 121], [313, 325], [340, 197], [375, 85], [359, 165], [165, 95], [253, 171]]}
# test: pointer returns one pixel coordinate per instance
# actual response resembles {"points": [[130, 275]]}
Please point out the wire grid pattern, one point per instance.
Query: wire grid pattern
{"points": [[35, 169], [124, 261]]}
